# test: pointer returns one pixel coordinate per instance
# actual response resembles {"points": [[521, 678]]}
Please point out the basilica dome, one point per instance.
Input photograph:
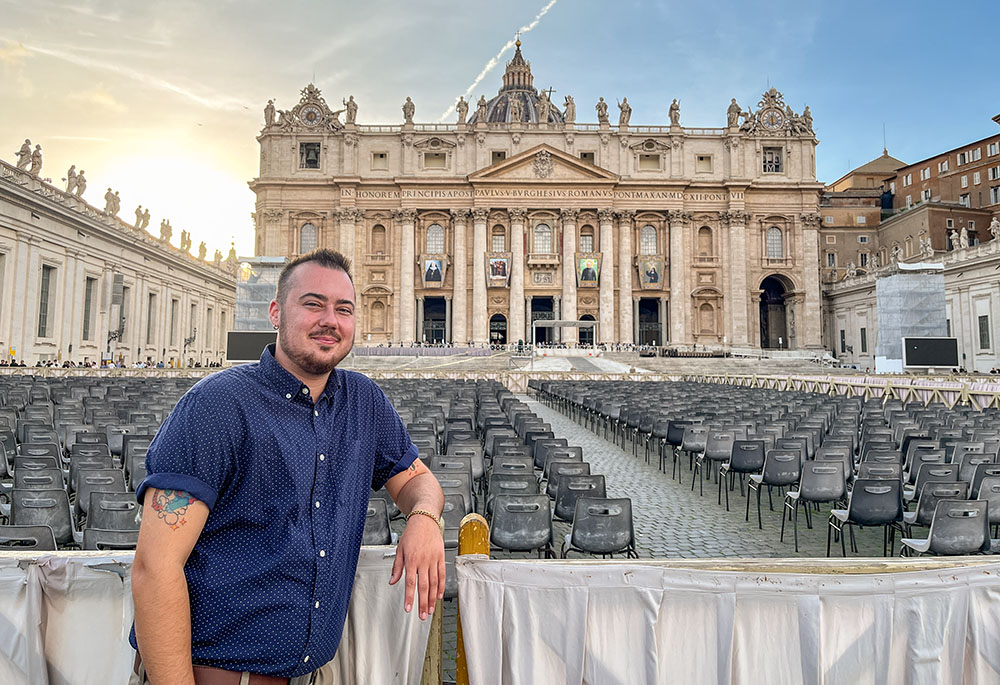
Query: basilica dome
{"points": [[518, 85]]}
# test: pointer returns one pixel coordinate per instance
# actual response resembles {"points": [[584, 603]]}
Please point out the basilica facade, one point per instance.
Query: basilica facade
{"points": [[469, 231]]}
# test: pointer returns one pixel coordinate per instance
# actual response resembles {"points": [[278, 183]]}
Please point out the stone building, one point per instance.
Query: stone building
{"points": [[80, 284], [469, 231]]}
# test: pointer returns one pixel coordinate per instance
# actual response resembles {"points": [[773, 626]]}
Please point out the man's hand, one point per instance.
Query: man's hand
{"points": [[420, 551]]}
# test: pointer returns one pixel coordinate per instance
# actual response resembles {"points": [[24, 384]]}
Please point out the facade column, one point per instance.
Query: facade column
{"points": [[420, 320], [606, 301], [347, 218], [460, 283], [480, 322], [568, 217], [809, 332], [557, 313], [448, 312], [635, 320], [517, 317], [738, 276], [678, 267], [625, 332], [407, 257], [664, 324], [527, 319]]}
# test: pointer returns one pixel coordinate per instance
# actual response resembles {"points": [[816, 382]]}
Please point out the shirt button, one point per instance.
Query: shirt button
{"points": [[306, 659], [317, 504], [305, 391], [322, 552], [322, 457], [317, 605], [288, 396], [315, 412]]}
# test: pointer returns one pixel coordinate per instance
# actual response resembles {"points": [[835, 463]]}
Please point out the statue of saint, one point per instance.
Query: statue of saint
{"points": [[145, 219], [24, 155], [807, 119], [748, 120], [202, 249], [138, 218], [36, 161], [351, 108], [71, 179], [602, 111], [269, 114], [852, 270], [953, 237], [462, 107], [232, 253], [516, 109], [408, 110], [733, 114], [481, 110], [897, 253], [544, 108], [117, 204], [166, 231], [81, 183], [109, 202], [569, 114], [675, 113], [185, 245], [284, 120], [217, 259], [963, 238], [995, 228], [626, 112]]}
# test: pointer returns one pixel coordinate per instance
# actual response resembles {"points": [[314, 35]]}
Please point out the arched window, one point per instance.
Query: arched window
{"points": [[647, 240], [435, 239], [775, 243], [378, 239], [587, 239], [378, 317], [705, 242], [307, 238], [908, 249], [543, 239], [498, 241]]}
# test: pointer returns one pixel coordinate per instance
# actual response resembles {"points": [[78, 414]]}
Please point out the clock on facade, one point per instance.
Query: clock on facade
{"points": [[310, 115], [772, 119]]}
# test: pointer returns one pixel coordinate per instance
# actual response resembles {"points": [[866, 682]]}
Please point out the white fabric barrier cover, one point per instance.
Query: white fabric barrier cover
{"points": [[65, 620], [645, 622]]}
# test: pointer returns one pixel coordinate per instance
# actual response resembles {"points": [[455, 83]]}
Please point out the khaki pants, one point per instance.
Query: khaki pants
{"points": [[322, 676]]}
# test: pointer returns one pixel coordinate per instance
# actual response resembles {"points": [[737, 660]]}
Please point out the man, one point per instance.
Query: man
{"points": [[256, 496], [588, 273]]}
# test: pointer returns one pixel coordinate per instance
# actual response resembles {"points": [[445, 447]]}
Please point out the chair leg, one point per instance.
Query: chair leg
{"points": [[795, 525], [720, 480], [760, 523], [749, 490], [770, 503], [829, 527], [843, 548], [784, 510]]}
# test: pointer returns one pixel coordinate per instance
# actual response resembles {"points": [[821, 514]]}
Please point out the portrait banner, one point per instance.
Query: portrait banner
{"points": [[588, 269], [651, 273], [433, 267], [497, 269]]}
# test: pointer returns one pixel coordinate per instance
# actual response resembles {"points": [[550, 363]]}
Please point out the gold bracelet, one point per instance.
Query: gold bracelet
{"points": [[437, 519]]}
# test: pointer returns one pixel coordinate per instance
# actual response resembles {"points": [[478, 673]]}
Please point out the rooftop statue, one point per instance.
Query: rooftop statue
{"points": [[408, 110], [462, 108], [733, 114], [71, 179], [675, 113], [352, 110], [81, 183], [269, 114], [602, 111], [24, 155], [481, 110], [36, 161], [626, 112], [569, 115]]}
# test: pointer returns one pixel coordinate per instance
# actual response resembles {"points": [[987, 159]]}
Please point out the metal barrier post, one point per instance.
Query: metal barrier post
{"points": [[473, 538]]}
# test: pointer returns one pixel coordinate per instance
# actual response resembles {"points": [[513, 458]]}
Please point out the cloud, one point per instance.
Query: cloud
{"points": [[496, 60], [99, 96], [13, 53], [84, 139]]}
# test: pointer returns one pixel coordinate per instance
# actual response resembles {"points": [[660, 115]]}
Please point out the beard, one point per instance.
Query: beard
{"points": [[309, 361]]}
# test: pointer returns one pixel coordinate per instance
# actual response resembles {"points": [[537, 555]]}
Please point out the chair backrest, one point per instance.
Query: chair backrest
{"points": [[40, 449], [675, 432], [969, 462], [542, 447], [989, 490], [602, 525], [781, 466], [35, 463], [18, 538], [933, 492], [822, 481], [43, 508], [521, 523], [113, 511], [97, 539], [452, 463], [876, 501], [377, 530], [946, 473], [38, 479], [572, 488], [880, 470], [77, 465], [923, 455], [747, 456], [959, 527], [452, 515], [571, 452], [982, 471], [564, 469], [695, 437], [719, 445], [97, 480]]}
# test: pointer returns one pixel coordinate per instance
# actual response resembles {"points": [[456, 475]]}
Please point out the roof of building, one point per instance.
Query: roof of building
{"points": [[518, 83], [886, 165], [953, 150]]}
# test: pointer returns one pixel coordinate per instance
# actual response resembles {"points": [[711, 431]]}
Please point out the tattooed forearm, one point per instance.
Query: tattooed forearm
{"points": [[171, 506]]}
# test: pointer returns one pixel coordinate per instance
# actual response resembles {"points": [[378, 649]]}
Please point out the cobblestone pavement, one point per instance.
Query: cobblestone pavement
{"points": [[671, 521]]}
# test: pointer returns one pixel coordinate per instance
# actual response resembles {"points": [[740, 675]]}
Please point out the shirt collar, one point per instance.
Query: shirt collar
{"points": [[279, 378]]}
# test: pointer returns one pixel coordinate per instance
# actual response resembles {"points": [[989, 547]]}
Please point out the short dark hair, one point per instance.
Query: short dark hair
{"points": [[325, 257]]}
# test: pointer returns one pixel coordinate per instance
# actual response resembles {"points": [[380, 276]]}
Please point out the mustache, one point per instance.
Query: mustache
{"points": [[326, 333]]}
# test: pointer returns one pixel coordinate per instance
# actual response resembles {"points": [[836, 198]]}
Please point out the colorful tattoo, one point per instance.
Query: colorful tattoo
{"points": [[171, 506], [413, 466]]}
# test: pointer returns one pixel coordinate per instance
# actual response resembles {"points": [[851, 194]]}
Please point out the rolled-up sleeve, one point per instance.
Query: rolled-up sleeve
{"points": [[194, 450], [394, 451]]}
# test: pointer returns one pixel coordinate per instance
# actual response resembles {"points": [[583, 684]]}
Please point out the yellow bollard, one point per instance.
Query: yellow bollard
{"points": [[473, 538]]}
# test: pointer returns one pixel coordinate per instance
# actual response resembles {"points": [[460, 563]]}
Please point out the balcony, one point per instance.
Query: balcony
{"points": [[544, 259]]}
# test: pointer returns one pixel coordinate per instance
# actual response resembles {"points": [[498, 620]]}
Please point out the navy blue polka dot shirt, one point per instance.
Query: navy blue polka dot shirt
{"points": [[287, 484]]}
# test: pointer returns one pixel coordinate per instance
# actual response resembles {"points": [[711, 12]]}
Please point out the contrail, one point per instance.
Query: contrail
{"points": [[496, 60]]}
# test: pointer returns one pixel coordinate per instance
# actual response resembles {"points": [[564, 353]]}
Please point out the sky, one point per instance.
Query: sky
{"points": [[162, 100]]}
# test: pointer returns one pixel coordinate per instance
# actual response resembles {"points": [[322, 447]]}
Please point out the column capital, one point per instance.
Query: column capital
{"points": [[734, 218], [517, 214], [606, 215], [810, 219], [568, 216], [678, 216], [406, 216], [348, 215], [625, 215], [480, 215], [461, 214]]}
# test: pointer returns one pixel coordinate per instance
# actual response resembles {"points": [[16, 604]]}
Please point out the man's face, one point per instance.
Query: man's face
{"points": [[316, 320]]}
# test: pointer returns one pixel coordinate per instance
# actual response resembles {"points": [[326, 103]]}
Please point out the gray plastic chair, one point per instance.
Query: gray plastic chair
{"points": [[509, 484], [781, 468], [564, 469], [959, 527], [377, 530], [602, 526], [522, 523], [113, 511], [929, 473], [747, 457], [109, 540], [452, 515], [45, 508], [19, 538], [572, 488], [820, 482], [932, 493], [718, 448], [873, 502]]}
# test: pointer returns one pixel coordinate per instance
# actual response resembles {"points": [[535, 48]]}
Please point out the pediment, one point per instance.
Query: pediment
{"points": [[543, 163]]}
